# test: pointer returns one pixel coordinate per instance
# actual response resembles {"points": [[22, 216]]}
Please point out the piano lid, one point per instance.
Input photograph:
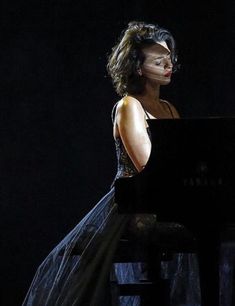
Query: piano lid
{"points": [[192, 161]]}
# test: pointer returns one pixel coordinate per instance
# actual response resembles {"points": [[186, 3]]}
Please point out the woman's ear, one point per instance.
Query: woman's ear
{"points": [[139, 71]]}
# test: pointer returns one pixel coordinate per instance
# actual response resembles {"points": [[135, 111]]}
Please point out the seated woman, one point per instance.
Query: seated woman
{"points": [[76, 272]]}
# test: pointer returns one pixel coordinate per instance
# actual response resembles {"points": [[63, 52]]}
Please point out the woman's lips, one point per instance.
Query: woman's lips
{"points": [[168, 74]]}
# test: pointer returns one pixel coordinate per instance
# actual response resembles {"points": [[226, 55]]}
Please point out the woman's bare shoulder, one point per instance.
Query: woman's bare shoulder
{"points": [[129, 104], [129, 113]]}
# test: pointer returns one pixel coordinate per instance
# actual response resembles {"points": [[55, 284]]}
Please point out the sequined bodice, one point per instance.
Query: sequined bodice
{"points": [[125, 166]]}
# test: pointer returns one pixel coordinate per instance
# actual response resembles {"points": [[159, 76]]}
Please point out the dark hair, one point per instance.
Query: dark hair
{"points": [[126, 56]]}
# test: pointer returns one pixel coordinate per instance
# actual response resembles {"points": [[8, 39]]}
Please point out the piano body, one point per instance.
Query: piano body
{"points": [[189, 179]]}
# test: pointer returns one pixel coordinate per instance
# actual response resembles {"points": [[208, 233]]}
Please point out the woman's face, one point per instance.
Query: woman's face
{"points": [[157, 65]]}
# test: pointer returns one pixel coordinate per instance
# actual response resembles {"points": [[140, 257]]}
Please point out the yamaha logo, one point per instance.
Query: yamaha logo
{"points": [[202, 177]]}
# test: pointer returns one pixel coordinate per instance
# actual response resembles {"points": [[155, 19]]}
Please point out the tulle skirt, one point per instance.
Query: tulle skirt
{"points": [[80, 269]]}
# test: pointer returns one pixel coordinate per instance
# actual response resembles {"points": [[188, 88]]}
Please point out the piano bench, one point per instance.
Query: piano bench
{"points": [[169, 239]]}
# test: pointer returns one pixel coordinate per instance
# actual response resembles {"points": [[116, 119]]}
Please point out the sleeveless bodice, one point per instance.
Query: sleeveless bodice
{"points": [[125, 166]]}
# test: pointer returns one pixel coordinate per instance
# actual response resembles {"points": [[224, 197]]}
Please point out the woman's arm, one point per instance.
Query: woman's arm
{"points": [[131, 124]]}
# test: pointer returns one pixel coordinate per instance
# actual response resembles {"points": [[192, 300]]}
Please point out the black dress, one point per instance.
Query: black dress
{"points": [[77, 271]]}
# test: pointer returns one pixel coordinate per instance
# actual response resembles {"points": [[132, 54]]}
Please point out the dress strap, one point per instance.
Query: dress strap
{"points": [[113, 113], [146, 113], [169, 107]]}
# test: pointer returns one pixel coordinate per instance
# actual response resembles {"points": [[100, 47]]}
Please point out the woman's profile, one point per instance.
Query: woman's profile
{"points": [[77, 270]]}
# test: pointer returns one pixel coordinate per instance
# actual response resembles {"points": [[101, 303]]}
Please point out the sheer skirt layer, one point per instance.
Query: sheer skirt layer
{"points": [[77, 271]]}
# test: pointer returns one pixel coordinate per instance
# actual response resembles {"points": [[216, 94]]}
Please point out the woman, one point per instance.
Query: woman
{"points": [[139, 65], [141, 62], [77, 271]]}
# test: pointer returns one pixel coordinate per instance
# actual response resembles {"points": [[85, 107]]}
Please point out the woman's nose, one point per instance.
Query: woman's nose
{"points": [[168, 64]]}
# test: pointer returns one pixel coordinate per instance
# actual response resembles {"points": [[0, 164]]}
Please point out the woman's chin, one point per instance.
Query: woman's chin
{"points": [[165, 82]]}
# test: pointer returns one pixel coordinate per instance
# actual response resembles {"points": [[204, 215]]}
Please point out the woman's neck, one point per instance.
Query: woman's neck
{"points": [[150, 98]]}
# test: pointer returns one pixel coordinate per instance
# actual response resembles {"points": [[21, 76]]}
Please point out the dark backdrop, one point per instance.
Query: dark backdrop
{"points": [[57, 152]]}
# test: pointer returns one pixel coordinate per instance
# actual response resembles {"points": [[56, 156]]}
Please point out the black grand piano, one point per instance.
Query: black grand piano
{"points": [[189, 179]]}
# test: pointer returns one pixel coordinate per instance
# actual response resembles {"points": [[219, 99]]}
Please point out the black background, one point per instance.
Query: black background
{"points": [[57, 151]]}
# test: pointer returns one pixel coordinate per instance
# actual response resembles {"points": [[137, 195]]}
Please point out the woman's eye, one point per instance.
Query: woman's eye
{"points": [[158, 63]]}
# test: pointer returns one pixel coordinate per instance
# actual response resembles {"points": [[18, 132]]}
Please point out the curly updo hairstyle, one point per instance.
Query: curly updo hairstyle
{"points": [[126, 56]]}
